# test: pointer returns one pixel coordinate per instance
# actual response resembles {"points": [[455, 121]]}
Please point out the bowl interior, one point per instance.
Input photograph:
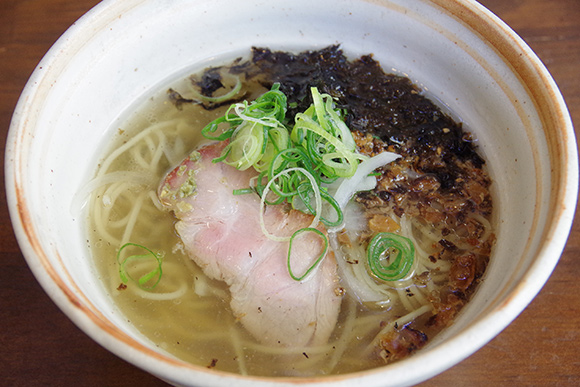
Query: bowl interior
{"points": [[121, 52]]}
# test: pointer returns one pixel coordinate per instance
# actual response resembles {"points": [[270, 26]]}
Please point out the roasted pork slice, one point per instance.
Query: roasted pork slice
{"points": [[221, 232]]}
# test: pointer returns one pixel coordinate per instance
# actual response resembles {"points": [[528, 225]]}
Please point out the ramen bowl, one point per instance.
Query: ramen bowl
{"points": [[459, 53]]}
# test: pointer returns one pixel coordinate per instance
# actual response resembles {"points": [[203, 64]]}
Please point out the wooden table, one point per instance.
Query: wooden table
{"points": [[39, 346]]}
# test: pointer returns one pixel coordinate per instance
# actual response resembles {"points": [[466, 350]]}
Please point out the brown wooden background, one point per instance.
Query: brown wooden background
{"points": [[39, 346]]}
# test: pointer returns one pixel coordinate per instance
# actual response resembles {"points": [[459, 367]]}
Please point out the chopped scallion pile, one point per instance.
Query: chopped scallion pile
{"points": [[256, 131], [319, 143], [296, 164], [321, 131]]}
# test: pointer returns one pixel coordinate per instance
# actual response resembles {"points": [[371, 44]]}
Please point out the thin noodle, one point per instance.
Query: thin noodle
{"points": [[413, 315], [405, 300], [133, 219], [485, 223], [341, 344], [129, 144], [418, 295], [238, 348]]}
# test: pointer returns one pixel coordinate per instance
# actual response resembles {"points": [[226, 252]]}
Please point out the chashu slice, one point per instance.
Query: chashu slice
{"points": [[222, 234]]}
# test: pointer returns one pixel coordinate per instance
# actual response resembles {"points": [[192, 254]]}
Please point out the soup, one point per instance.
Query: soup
{"points": [[427, 211]]}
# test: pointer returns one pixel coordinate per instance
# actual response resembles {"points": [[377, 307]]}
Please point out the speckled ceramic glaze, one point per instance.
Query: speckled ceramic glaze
{"points": [[456, 50]]}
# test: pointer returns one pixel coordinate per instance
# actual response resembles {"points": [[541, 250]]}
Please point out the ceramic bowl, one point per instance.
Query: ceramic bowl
{"points": [[457, 51]]}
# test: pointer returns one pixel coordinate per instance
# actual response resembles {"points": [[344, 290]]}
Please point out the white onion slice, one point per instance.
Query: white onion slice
{"points": [[361, 181], [354, 285], [351, 185]]}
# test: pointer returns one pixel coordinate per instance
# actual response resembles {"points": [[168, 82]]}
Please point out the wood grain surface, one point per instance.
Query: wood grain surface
{"points": [[39, 346]]}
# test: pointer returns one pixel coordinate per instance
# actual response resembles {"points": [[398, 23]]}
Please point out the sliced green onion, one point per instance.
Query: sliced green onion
{"points": [[243, 191], [213, 127], [390, 256], [246, 146], [278, 140], [318, 259], [144, 281], [287, 184], [266, 191], [256, 131], [302, 201], [335, 206], [326, 138]]}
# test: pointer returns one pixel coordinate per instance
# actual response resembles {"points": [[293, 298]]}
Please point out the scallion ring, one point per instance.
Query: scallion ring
{"points": [[318, 259], [211, 128], [153, 275], [390, 256], [266, 191]]}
